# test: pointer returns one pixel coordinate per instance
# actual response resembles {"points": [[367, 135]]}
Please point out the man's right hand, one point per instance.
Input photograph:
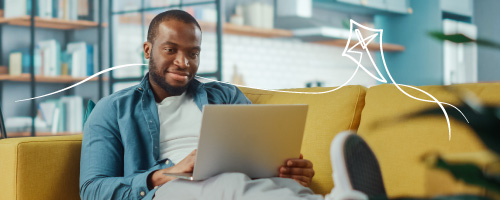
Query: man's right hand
{"points": [[184, 166]]}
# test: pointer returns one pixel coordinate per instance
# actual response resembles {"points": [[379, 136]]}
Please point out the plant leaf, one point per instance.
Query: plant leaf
{"points": [[461, 38], [470, 174], [457, 38]]}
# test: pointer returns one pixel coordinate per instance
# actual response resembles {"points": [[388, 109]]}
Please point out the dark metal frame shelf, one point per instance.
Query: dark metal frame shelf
{"points": [[61, 25]]}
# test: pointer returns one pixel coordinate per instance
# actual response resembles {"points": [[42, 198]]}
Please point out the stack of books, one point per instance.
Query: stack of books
{"points": [[60, 9], [77, 61], [63, 115]]}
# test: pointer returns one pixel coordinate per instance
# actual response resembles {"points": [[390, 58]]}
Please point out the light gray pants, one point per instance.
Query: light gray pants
{"points": [[235, 186]]}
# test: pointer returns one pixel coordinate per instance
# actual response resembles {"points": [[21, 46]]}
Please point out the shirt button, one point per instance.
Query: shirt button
{"points": [[167, 162], [150, 121], [139, 89], [143, 193]]}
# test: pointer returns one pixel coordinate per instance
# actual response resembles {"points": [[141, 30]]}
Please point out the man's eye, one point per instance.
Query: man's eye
{"points": [[194, 55], [170, 50]]}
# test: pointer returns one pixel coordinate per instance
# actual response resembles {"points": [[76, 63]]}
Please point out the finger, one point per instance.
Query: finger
{"points": [[304, 179], [283, 170], [300, 179], [297, 171], [299, 163], [302, 183]]}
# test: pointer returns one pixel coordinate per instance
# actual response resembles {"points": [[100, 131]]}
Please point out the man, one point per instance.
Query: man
{"points": [[135, 135]]}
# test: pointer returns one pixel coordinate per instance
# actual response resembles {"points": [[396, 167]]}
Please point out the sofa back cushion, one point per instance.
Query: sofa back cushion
{"points": [[400, 144], [328, 114]]}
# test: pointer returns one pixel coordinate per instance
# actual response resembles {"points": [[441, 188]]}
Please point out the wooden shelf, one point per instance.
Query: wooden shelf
{"points": [[372, 46], [227, 28], [28, 134], [45, 79], [50, 23], [234, 29]]}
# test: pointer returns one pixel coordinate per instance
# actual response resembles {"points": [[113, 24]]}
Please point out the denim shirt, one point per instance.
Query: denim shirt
{"points": [[120, 146]]}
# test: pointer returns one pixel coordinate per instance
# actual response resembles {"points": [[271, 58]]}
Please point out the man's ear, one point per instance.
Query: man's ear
{"points": [[147, 49]]}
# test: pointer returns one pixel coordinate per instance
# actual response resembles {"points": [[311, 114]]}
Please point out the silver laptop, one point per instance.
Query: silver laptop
{"points": [[251, 139]]}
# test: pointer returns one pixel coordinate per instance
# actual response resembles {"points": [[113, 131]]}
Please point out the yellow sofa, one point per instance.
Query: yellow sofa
{"points": [[48, 167]]}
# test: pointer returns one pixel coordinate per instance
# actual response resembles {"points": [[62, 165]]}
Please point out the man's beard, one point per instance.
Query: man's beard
{"points": [[162, 82]]}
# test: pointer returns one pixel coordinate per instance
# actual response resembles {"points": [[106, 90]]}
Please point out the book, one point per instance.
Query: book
{"points": [[90, 60], [15, 63], [73, 10], [16, 8], [38, 60], [45, 8], [82, 59], [19, 62], [85, 11], [47, 110], [51, 57], [78, 52], [56, 120], [73, 113]]}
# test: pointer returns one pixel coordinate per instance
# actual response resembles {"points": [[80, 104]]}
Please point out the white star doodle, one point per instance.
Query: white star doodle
{"points": [[363, 42]]}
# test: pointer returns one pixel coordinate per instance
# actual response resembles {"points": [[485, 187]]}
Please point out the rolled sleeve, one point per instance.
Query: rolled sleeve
{"points": [[140, 184], [102, 160]]}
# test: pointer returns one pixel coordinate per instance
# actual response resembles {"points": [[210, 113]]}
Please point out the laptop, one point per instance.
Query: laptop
{"points": [[251, 139]]}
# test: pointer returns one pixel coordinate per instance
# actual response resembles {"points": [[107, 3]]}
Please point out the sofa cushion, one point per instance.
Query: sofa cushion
{"points": [[40, 167], [328, 114], [399, 145]]}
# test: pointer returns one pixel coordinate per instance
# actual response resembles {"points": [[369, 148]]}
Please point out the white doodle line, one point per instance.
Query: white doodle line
{"points": [[362, 41], [82, 81]]}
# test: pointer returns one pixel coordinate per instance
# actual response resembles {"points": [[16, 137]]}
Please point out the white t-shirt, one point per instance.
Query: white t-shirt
{"points": [[180, 123]]}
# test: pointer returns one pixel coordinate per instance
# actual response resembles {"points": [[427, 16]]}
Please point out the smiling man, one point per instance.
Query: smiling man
{"points": [[135, 135]]}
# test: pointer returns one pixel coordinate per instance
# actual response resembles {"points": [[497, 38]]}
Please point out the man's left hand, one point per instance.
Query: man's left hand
{"points": [[298, 169]]}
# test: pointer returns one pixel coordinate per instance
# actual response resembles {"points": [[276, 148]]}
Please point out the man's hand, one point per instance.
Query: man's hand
{"points": [[298, 169], [185, 166]]}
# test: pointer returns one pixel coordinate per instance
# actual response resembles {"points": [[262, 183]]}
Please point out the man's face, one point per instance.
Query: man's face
{"points": [[174, 56]]}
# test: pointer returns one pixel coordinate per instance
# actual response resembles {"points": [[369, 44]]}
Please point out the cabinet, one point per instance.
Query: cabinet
{"points": [[372, 6], [398, 6], [459, 7], [25, 29], [377, 4]]}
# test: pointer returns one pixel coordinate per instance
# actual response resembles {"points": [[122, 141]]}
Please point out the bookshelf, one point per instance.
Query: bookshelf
{"points": [[50, 23], [234, 29], [27, 134], [45, 79], [63, 32], [227, 28]]}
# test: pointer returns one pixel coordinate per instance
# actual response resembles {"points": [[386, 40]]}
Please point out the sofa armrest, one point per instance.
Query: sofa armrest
{"points": [[40, 167]]}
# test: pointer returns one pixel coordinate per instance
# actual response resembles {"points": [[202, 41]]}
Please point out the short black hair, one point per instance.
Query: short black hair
{"points": [[179, 15]]}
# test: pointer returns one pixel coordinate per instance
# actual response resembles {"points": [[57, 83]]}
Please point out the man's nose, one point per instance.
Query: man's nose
{"points": [[181, 61]]}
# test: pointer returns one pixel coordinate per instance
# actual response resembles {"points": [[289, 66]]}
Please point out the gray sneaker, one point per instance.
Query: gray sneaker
{"points": [[356, 172]]}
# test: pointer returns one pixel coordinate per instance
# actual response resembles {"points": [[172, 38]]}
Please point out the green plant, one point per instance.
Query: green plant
{"points": [[485, 121]]}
